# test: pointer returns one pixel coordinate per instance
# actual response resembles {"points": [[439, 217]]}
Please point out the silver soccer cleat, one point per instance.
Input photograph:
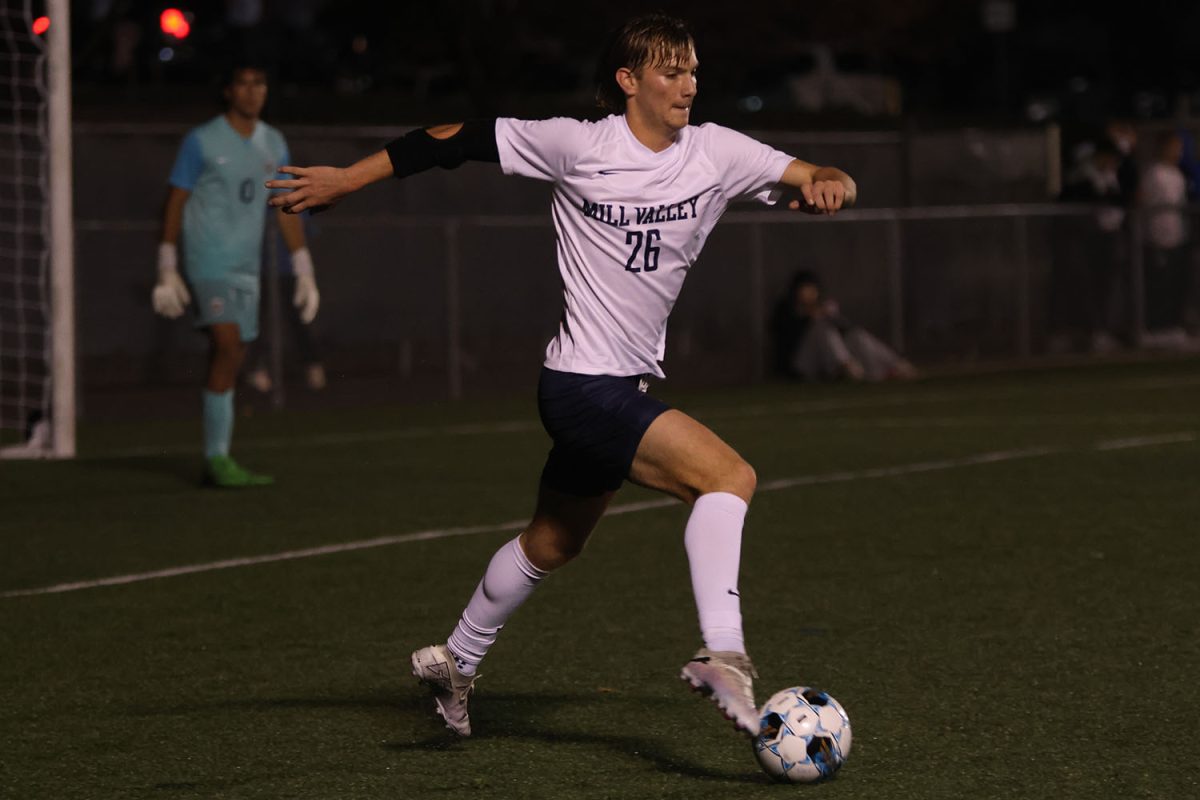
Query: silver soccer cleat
{"points": [[726, 678], [434, 667]]}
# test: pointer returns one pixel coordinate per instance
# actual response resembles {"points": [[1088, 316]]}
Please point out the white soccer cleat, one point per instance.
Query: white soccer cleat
{"points": [[434, 667], [726, 678]]}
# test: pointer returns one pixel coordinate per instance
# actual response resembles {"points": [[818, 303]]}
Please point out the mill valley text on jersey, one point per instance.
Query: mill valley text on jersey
{"points": [[621, 216]]}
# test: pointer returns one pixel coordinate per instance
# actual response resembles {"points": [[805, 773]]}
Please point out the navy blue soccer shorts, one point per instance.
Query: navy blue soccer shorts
{"points": [[596, 423]]}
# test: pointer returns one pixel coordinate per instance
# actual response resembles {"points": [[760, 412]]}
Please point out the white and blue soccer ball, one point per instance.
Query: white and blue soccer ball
{"points": [[803, 736]]}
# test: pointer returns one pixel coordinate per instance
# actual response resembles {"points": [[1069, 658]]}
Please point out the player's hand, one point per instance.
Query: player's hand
{"points": [[312, 189], [170, 295], [821, 197], [306, 298]]}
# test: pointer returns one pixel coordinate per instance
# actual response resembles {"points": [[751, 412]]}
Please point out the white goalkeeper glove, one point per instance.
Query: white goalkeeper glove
{"points": [[306, 297], [170, 293]]}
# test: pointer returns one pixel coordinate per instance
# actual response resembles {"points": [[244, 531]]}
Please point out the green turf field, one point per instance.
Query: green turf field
{"points": [[996, 575]]}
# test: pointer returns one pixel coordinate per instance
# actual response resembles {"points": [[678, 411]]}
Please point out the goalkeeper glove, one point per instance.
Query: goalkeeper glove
{"points": [[170, 293], [306, 297]]}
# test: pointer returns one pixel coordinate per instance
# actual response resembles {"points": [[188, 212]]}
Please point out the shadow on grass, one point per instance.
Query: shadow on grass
{"points": [[516, 716], [188, 470], [380, 700], [507, 716]]}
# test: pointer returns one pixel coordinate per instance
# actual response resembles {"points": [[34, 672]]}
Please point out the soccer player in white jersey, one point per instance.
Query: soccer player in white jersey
{"points": [[635, 195], [216, 200]]}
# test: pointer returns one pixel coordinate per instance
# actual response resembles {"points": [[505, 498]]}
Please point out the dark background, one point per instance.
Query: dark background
{"points": [[354, 61], [987, 114]]}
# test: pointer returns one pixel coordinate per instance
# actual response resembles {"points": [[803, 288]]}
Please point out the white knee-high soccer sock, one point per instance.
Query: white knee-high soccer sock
{"points": [[713, 540], [510, 578]]}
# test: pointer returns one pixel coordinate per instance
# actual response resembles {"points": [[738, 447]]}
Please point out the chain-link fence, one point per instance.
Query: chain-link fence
{"points": [[448, 282]]}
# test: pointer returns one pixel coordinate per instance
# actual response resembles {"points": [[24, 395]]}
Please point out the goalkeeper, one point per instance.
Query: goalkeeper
{"points": [[216, 200]]}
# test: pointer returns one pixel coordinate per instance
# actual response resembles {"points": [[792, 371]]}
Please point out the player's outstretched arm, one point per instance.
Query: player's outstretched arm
{"points": [[445, 146], [825, 189], [318, 188]]}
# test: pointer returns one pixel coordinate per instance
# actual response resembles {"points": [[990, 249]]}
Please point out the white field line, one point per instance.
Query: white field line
{"points": [[506, 426], [416, 432], [1145, 441], [743, 412], [993, 422], [270, 558], [515, 426], [626, 508], [910, 469]]}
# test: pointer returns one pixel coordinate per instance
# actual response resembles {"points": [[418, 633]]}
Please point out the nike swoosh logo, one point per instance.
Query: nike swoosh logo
{"points": [[732, 592]]}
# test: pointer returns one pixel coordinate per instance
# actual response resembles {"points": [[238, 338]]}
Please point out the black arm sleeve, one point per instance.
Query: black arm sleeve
{"points": [[417, 151]]}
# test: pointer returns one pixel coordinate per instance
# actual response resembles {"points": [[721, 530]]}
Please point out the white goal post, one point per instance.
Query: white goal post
{"points": [[37, 287]]}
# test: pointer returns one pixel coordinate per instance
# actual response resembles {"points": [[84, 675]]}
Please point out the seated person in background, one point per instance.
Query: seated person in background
{"points": [[812, 341]]}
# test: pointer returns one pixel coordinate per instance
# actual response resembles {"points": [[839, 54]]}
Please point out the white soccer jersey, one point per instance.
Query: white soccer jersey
{"points": [[629, 224]]}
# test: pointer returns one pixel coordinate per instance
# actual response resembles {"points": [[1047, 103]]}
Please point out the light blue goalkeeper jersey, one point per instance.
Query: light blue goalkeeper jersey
{"points": [[224, 217]]}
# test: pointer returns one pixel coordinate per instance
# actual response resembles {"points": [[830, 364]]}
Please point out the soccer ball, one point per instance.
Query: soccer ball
{"points": [[803, 736]]}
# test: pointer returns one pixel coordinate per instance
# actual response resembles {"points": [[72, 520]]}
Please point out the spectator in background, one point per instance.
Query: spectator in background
{"points": [[1121, 137], [1163, 196], [1190, 165], [812, 341], [1086, 270]]}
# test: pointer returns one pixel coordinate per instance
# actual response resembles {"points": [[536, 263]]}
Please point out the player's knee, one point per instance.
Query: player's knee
{"points": [[551, 558], [735, 476], [567, 549], [549, 550], [742, 480]]}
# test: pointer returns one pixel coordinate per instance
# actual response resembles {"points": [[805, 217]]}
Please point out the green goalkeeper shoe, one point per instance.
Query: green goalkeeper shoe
{"points": [[225, 473]]}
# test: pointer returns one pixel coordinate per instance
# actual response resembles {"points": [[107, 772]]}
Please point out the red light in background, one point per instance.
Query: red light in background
{"points": [[175, 23], [41, 25]]}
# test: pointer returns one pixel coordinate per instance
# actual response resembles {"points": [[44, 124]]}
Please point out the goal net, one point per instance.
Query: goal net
{"points": [[36, 303]]}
